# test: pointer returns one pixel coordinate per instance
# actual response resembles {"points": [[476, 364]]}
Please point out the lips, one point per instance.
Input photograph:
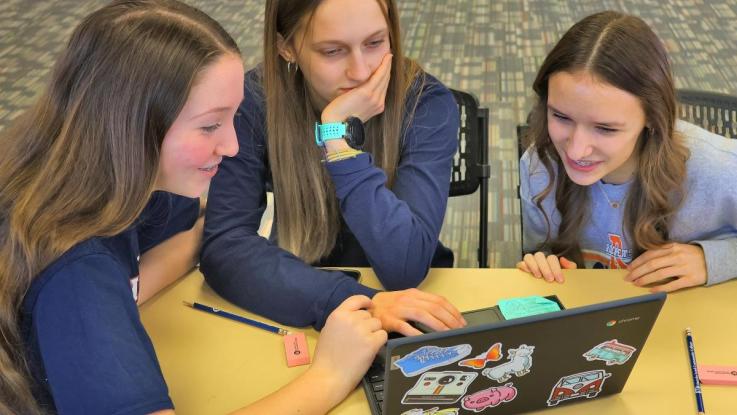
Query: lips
{"points": [[582, 165], [210, 170]]}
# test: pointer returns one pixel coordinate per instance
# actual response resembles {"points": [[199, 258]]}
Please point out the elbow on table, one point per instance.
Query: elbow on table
{"points": [[402, 278]]}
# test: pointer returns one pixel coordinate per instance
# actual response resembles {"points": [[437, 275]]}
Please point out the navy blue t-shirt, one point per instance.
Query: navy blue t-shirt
{"points": [[86, 347]]}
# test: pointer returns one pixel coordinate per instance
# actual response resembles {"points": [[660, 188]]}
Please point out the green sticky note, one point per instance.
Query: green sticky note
{"points": [[526, 306]]}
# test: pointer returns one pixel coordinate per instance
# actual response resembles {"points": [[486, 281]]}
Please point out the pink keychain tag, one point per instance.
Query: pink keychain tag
{"points": [[295, 347]]}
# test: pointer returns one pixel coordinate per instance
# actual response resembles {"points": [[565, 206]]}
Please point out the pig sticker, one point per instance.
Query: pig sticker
{"points": [[491, 397]]}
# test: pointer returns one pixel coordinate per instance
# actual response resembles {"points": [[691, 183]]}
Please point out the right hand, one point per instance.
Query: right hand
{"points": [[348, 344], [364, 101], [548, 267], [396, 308]]}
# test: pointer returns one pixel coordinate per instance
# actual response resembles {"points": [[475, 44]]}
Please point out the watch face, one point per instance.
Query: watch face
{"points": [[354, 136]]}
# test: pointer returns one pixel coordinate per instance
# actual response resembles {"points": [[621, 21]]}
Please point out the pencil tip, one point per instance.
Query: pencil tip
{"points": [[187, 303]]}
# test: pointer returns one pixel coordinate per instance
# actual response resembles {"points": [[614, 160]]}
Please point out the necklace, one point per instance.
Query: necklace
{"points": [[614, 204]]}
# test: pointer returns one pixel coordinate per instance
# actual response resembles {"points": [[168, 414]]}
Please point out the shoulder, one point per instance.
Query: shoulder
{"points": [[428, 91], [532, 172], [253, 87], [89, 271], [711, 155], [431, 113]]}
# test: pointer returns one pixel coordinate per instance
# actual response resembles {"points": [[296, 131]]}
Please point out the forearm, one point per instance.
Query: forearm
{"points": [[717, 255], [255, 274], [310, 394], [398, 240], [168, 261]]}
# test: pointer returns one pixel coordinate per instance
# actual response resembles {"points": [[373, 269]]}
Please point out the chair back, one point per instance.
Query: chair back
{"points": [[470, 168], [709, 110]]}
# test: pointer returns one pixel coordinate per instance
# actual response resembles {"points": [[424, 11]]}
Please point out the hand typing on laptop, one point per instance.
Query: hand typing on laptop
{"points": [[395, 310]]}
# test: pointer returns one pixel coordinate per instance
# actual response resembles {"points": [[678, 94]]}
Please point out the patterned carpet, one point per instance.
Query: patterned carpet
{"points": [[490, 48]]}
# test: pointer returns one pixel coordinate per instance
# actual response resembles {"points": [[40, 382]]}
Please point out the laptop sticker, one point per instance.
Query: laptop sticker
{"points": [[612, 352], [429, 357], [584, 384], [439, 387], [492, 355], [432, 411], [519, 364], [491, 397]]}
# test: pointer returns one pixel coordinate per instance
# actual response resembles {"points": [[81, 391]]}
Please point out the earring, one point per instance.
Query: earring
{"points": [[289, 67]]}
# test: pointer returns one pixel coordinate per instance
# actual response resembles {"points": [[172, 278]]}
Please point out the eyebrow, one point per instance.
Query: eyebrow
{"points": [[329, 42], [210, 111], [606, 124]]}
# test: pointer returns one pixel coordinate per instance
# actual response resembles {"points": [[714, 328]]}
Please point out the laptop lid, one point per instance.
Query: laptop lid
{"points": [[519, 365]]}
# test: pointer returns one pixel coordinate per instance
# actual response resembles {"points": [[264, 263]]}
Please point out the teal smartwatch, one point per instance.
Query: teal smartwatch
{"points": [[351, 130]]}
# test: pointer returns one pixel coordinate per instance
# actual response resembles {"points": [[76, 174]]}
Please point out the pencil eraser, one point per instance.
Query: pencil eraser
{"points": [[718, 375], [295, 347]]}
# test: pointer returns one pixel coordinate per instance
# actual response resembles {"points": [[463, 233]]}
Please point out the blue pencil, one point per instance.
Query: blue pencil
{"points": [[694, 372], [245, 320]]}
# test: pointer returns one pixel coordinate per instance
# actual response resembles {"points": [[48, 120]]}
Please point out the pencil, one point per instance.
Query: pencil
{"points": [[245, 320], [694, 373]]}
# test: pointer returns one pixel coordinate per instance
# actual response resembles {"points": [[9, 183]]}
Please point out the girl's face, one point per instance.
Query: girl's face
{"points": [[594, 127], [340, 48], [203, 132]]}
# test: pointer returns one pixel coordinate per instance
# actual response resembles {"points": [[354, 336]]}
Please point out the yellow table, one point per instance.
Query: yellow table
{"points": [[213, 365]]}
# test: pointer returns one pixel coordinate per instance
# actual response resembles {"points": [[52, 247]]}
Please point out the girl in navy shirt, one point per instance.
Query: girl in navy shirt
{"points": [[372, 194], [98, 210]]}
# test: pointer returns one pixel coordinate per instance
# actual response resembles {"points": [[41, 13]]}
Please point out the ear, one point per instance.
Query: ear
{"points": [[286, 51]]}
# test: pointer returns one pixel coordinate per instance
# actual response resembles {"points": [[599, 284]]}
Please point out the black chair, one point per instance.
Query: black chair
{"points": [[709, 110], [471, 163]]}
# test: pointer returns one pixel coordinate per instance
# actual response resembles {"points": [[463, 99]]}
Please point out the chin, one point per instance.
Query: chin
{"points": [[582, 179]]}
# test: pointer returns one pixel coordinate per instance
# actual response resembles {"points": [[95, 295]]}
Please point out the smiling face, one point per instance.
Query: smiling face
{"points": [[203, 132], [340, 48], [594, 127]]}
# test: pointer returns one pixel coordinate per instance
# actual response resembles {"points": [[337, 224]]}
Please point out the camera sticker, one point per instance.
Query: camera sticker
{"points": [[439, 387], [432, 411], [429, 357], [519, 364], [491, 397], [612, 352], [492, 355], [584, 384]]}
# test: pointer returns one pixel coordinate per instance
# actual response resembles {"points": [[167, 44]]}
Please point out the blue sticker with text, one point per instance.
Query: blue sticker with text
{"points": [[429, 357]]}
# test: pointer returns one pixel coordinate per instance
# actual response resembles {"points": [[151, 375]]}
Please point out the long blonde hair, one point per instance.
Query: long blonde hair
{"points": [[304, 196], [82, 161], [622, 51]]}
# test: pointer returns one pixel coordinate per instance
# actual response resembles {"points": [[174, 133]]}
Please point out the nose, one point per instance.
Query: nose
{"points": [[579, 143], [228, 145], [358, 67]]}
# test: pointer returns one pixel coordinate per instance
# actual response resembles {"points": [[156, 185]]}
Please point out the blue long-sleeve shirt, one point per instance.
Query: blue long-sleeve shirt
{"points": [[394, 231]]}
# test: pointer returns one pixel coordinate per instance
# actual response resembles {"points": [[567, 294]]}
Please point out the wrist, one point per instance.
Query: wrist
{"points": [[333, 385], [337, 145], [327, 117]]}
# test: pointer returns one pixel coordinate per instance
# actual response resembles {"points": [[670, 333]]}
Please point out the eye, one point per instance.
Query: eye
{"points": [[560, 116], [331, 52], [211, 128], [375, 43], [606, 130]]}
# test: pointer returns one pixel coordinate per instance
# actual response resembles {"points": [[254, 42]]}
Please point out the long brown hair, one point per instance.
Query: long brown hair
{"points": [[82, 161], [622, 51], [304, 196]]}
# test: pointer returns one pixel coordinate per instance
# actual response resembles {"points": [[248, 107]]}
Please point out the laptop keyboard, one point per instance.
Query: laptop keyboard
{"points": [[375, 378]]}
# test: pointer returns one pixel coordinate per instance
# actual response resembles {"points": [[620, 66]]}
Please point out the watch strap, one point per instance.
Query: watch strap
{"points": [[329, 131]]}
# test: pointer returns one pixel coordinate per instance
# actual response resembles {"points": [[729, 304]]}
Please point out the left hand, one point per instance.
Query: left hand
{"points": [[684, 263]]}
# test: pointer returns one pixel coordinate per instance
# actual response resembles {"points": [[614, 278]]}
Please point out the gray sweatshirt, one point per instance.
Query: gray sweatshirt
{"points": [[708, 216]]}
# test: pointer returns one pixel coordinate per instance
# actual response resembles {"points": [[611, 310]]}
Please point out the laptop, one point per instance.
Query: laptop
{"points": [[548, 360]]}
